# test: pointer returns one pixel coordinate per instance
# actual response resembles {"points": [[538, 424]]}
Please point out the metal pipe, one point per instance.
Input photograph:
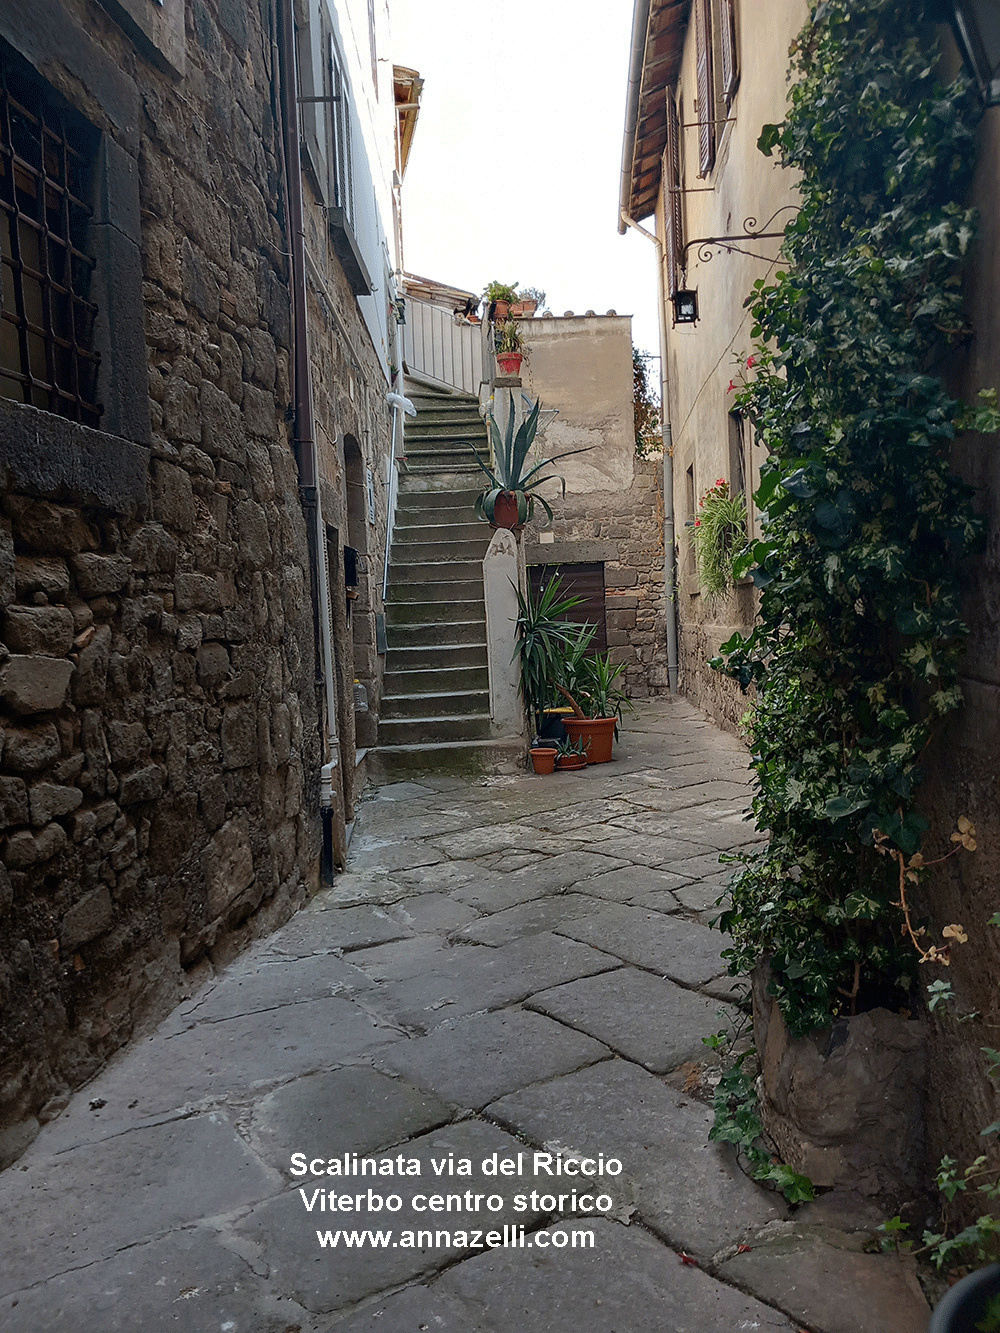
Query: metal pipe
{"points": [[305, 432], [640, 25], [669, 530]]}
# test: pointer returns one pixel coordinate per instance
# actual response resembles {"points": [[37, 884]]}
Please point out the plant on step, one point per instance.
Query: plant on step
{"points": [[567, 749], [501, 291], [513, 474], [856, 652], [718, 535], [509, 339]]}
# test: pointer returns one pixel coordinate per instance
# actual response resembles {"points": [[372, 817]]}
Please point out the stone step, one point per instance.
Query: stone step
{"points": [[450, 702], [412, 570], [443, 656], [447, 488], [467, 528], [417, 730], [442, 460], [446, 425], [402, 614], [433, 516], [455, 470], [435, 680], [447, 590], [440, 550], [433, 631], [460, 758]]}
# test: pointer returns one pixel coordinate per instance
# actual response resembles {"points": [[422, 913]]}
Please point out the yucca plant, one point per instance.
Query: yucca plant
{"points": [[544, 639], [512, 474]]}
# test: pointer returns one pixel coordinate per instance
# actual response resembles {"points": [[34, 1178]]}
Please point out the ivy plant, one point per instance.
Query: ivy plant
{"points": [[856, 649]]}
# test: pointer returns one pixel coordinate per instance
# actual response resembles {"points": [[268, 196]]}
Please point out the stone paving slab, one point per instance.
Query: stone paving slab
{"points": [[433, 911], [529, 918], [646, 1018], [642, 885], [327, 1279], [327, 928], [472, 978], [626, 1284], [215, 1060], [185, 1280], [629, 847], [401, 959], [819, 1283], [355, 1106], [69, 1207], [667, 945], [545, 875], [688, 1189], [476, 1060], [414, 1308]]}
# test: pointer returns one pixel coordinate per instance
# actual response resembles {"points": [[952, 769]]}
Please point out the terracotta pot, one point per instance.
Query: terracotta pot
{"points": [[598, 735], [543, 760], [521, 309], [501, 309], [569, 763], [505, 512], [509, 362]]}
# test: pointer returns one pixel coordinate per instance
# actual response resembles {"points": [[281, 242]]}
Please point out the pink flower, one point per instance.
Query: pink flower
{"points": [[751, 362], [697, 522], [732, 387]]}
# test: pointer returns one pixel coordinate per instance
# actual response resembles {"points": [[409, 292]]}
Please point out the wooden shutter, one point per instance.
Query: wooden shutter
{"points": [[706, 85], [578, 580], [673, 213], [342, 167], [730, 51]]}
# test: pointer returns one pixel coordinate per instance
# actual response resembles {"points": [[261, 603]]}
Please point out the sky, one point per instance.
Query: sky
{"points": [[515, 170]]}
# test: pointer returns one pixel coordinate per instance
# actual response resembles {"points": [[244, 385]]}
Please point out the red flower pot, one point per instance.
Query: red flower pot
{"points": [[505, 511], [569, 763], [509, 362]]}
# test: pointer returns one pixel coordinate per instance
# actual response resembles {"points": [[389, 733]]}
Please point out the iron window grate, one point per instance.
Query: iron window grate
{"points": [[46, 317]]}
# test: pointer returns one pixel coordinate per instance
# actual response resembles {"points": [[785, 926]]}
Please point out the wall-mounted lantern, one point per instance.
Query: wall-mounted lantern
{"points": [[685, 307], [977, 31]]}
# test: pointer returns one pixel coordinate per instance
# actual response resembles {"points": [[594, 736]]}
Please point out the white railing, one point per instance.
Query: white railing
{"points": [[437, 348]]}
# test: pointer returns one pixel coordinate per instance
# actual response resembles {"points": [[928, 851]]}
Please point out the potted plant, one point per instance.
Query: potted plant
{"points": [[590, 684], [528, 301], [501, 296], [571, 755], [544, 635], [510, 499], [719, 535], [510, 348], [543, 757]]}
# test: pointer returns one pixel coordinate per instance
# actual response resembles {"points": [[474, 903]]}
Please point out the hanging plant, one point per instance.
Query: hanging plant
{"points": [[719, 535], [856, 652]]}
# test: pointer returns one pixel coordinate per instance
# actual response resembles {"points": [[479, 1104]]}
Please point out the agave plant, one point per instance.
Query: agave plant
{"points": [[513, 474], [544, 638]]}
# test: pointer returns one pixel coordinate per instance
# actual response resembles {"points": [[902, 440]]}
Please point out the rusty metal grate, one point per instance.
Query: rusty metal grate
{"points": [[46, 316]]}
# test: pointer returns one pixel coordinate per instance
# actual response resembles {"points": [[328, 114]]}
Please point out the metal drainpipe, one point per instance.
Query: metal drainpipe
{"points": [[334, 832], [669, 549]]}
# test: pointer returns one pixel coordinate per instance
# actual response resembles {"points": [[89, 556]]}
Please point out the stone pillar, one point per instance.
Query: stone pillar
{"points": [[500, 583]]}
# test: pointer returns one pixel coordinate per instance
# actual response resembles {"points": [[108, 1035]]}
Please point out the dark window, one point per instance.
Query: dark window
{"points": [[47, 153], [578, 580]]}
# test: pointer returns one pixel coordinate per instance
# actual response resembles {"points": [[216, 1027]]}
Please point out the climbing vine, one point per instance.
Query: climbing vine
{"points": [[856, 651]]}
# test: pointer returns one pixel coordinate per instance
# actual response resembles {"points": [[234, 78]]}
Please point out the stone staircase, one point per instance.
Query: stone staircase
{"points": [[435, 709]]}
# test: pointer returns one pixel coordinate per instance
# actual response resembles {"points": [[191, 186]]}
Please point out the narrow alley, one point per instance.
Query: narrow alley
{"points": [[511, 966]]}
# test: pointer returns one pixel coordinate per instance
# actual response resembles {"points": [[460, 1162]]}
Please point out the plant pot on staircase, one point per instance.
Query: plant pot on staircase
{"points": [[509, 362]]}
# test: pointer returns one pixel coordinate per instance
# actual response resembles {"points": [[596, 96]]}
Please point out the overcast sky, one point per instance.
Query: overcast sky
{"points": [[516, 162]]}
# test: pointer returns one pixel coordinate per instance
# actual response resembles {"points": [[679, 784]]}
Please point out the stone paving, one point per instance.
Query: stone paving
{"points": [[510, 966]]}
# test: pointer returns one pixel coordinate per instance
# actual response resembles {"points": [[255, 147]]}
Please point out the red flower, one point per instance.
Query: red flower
{"points": [[732, 387], [751, 362], [697, 522]]}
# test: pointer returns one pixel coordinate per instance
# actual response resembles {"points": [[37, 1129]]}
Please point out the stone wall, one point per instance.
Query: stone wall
{"points": [[613, 508], [158, 707]]}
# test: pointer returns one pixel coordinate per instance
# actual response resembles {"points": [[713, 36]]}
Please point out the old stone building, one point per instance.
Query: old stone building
{"points": [[181, 622], [607, 535]]}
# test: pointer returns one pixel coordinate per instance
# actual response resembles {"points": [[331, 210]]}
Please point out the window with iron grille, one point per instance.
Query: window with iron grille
{"points": [[47, 154]]}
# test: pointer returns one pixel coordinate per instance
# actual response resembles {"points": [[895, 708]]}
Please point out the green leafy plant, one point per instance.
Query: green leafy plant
{"points": [[645, 407], [737, 1121], [543, 637], [501, 291], [567, 748], [718, 534], [856, 652], [531, 294], [513, 473], [509, 339]]}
